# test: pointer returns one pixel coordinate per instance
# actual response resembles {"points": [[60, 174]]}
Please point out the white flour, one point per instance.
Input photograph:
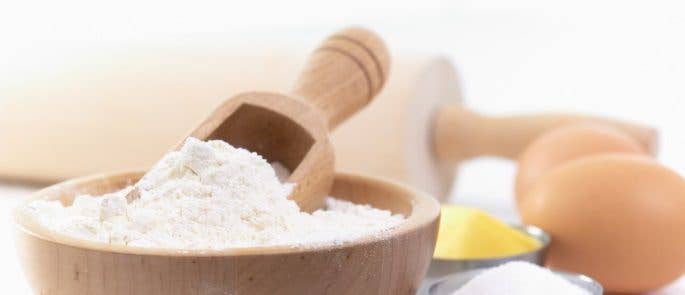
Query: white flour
{"points": [[519, 278], [210, 195]]}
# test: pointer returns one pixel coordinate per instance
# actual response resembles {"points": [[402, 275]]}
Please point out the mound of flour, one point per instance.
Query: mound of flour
{"points": [[210, 195]]}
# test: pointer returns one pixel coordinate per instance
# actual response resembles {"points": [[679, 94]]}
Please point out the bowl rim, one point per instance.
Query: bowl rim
{"points": [[472, 273], [425, 210], [533, 231]]}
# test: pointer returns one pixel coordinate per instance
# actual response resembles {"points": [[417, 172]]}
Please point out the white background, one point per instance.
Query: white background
{"points": [[619, 58]]}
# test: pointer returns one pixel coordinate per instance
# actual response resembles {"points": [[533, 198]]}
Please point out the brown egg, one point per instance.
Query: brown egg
{"points": [[569, 143], [618, 218]]}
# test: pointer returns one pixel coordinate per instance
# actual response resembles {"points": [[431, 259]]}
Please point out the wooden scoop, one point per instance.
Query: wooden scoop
{"points": [[340, 77]]}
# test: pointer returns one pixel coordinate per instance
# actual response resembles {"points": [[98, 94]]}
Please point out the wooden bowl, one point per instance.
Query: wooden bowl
{"points": [[394, 262]]}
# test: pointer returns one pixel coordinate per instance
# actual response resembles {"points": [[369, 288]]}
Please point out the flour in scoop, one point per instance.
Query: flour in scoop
{"points": [[210, 195], [519, 278]]}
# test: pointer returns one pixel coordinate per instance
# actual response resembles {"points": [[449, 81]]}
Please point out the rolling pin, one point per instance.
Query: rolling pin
{"points": [[418, 130], [57, 121]]}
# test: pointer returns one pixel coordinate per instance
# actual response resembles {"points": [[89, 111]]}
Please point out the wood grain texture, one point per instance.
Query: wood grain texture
{"points": [[339, 78], [58, 122], [462, 134], [391, 263], [400, 129], [280, 129], [343, 87], [396, 128]]}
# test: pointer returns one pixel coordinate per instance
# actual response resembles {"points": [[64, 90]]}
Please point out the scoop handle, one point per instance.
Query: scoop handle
{"points": [[461, 134], [344, 73]]}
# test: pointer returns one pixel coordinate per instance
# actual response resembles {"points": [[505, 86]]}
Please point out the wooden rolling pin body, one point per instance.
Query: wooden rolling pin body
{"points": [[60, 122]]}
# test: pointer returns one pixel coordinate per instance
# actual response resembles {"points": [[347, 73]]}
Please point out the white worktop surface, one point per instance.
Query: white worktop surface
{"points": [[606, 57]]}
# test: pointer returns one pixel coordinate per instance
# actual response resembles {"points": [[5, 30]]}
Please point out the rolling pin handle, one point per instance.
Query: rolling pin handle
{"points": [[461, 134]]}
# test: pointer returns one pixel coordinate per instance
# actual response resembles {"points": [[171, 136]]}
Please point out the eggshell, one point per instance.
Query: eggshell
{"points": [[569, 143], [618, 218]]}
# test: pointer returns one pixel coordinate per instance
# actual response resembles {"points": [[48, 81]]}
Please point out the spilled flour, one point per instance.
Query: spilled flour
{"points": [[210, 195]]}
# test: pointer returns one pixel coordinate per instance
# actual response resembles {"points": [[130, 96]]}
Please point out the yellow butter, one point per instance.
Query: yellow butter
{"points": [[468, 233]]}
